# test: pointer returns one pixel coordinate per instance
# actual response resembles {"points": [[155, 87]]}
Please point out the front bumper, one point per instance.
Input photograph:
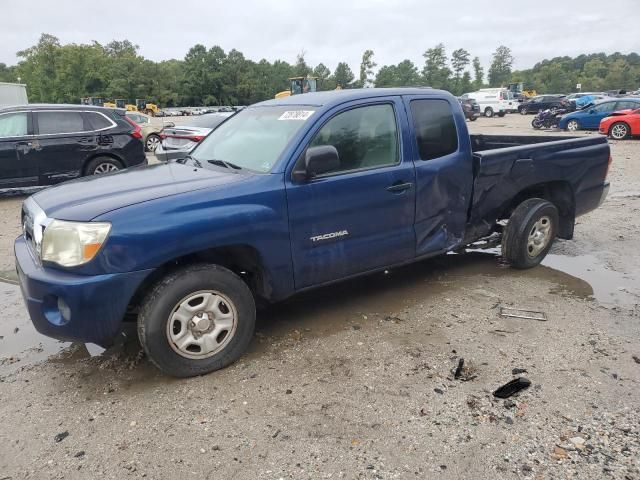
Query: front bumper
{"points": [[96, 304]]}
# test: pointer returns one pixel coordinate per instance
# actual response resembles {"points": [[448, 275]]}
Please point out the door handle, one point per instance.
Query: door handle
{"points": [[399, 186], [24, 147]]}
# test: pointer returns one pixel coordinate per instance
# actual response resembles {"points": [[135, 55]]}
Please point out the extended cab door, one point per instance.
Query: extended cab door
{"points": [[441, 152], [360, 216], [17, 168]]}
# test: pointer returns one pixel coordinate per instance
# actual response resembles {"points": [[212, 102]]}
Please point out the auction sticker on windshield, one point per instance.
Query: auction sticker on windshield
{"points": [[296, 115]]}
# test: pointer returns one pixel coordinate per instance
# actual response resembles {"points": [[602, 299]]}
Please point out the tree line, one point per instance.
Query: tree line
{"points": [[210, 76]]}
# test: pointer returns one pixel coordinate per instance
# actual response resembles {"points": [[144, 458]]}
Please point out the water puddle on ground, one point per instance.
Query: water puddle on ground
{"points": [[329, 310]]}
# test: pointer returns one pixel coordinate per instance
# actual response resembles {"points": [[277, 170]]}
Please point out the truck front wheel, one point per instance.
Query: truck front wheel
{"points": [[529, 233], [196, 320]]}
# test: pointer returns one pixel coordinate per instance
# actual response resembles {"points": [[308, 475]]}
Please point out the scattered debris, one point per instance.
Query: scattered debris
{"points": [[61, 436], [438, 390], [559, 453], [525, 314], [16, 330], [288, 391], [512, 387], [79, 454], [458, 371], [636, 358], [518, 371]]}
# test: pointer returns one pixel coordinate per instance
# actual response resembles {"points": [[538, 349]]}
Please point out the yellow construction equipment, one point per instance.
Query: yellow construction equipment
{"points": [[299, 85], [518, 89], [148, 108]]}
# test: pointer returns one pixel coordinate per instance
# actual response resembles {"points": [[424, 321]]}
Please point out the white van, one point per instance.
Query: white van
{"points": [[494, 101]]}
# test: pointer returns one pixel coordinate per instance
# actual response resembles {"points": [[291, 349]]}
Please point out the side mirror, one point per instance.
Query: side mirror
{"points": [[318, 160]]}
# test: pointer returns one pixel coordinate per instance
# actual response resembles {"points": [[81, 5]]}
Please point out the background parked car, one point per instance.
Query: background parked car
{"points": [[150, 131], [494, 101], [48, 144], [179, 140], [541, 102], [589, 117], [470, 108], [621, 125]]}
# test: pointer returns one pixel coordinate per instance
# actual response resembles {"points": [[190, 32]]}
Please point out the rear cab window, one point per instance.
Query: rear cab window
{"points": [[435, 129]]}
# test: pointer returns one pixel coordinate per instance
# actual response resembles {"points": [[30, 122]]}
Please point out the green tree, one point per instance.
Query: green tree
{"points": [[478, 74], [405, 74], [459, 62], [7, 74], [301, 68], [343, 76], [38, 69], [323, 74], [366, 69], [500, 70], [435, 72]]}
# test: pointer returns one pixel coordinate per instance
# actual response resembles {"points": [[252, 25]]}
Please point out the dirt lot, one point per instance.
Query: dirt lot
{"points": [[355, 381]]}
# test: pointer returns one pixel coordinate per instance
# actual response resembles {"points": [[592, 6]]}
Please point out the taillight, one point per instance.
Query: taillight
{"points": [[193, 138], [137, 131]]}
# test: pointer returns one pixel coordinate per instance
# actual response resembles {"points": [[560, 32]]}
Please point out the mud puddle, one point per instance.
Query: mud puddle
{"points": [[610, 287], [320, 313]]}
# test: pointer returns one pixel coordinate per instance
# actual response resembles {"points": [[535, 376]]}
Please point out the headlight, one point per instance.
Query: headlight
{"points": [[73, 243]]}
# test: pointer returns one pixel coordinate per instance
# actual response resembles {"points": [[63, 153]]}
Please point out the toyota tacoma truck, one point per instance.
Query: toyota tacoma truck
{"points": [[289, 195]]}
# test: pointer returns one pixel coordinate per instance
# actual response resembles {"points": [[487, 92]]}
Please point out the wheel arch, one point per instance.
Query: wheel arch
{"points": [[559, 193], [242, 259], [100, 154]]}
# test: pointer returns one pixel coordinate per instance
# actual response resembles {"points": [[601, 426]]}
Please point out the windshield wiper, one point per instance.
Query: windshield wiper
{"points": [[224, 163], [194, 160]]}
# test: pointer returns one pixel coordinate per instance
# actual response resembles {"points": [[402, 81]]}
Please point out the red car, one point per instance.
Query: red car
{"points": [[622, 124]]}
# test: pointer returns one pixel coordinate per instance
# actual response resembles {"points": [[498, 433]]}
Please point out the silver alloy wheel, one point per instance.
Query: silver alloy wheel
{"points": [[105, 167], [573, 125], [523, 111], [152, 142], [619, 131], [201, 324], [539, 236]]}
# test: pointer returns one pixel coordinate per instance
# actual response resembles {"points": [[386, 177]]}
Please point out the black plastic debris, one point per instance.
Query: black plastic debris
{"points": [[513, 387], [60, 436], [518, 371], [459, 368]]}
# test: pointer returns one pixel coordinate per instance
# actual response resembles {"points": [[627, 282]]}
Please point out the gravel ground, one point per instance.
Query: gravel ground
{"points": [[357, 380]]}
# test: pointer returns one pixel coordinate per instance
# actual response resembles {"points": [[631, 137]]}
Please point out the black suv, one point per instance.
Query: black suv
{"points": [[47, 144], [541, 102], [470, 107]]}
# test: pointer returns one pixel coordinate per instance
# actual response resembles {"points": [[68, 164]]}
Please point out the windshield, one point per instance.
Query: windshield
{"points": [[254, 138], [209, 120]]}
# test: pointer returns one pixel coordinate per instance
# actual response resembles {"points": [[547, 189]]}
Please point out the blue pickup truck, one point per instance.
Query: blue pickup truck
{"points": [[288, 195]]}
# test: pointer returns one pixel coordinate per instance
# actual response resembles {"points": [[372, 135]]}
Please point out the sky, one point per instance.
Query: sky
{"points": [[330, 31]]}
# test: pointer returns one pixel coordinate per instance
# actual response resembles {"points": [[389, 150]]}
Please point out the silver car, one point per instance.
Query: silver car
{"points": [[178, 141]]}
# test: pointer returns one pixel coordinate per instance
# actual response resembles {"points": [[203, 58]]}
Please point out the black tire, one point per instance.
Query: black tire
{"points": [[619, 131], [516, 248], [537, 124], [162, 301], [488, 112], [523, 110], [501, 114], [152, 142], [473, 118], [102, 165]]}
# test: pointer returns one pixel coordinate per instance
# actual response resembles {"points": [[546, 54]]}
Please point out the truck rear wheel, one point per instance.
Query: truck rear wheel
{"points": [[488, 112], [529, 233], [196, 320]]}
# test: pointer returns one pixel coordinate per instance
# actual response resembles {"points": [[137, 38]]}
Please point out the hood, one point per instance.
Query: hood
{"points": [[86, 198]]}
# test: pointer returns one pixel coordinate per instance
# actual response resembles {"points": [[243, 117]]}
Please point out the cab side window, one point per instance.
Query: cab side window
{"points": [[435, 128], [365, 137], [13, 125]]}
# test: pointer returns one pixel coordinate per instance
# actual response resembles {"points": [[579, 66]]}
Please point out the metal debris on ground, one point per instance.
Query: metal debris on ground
{"points": [[525, 314], [458, 371], [512, 387]]}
